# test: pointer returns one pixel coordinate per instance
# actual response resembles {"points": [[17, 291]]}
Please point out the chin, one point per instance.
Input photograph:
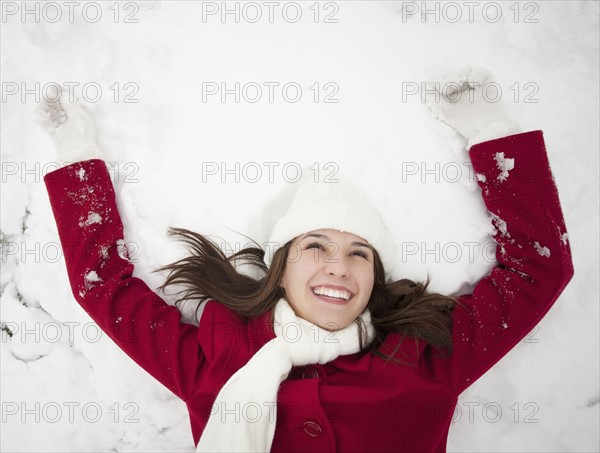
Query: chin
{"points": [[333, 326]]}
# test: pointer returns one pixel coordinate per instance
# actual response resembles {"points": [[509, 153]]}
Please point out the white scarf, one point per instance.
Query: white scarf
{"points": [[246, 407]]}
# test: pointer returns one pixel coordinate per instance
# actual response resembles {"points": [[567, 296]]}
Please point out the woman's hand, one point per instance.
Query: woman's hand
{"points": [[70, 126], [462, 103]]}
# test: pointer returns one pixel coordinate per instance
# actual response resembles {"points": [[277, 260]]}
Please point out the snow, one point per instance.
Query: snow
{"points": [[122, 250], [93, 217], [504, 165], [543, 251], [500, 225], [180, 156], [104, 252], [92, 276]]}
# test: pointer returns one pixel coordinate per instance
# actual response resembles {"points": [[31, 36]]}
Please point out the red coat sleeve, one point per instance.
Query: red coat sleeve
{"points": [[124, 307], [533, 259]]}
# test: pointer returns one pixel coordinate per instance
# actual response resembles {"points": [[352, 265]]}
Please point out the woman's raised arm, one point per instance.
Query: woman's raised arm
{"points": [[533, 253], [91, 234]]}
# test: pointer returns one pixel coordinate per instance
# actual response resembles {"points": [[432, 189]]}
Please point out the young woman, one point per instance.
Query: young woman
{"points": [[324, 352]]}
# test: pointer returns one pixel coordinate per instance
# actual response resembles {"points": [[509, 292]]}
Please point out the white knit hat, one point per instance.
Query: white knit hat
{"points": [[337, 206]]}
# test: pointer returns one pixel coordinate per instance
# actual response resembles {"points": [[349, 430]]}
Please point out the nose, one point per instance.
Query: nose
{"points": [[336, 267]]}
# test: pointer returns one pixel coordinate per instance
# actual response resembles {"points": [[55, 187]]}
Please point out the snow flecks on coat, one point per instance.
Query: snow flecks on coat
{"points": [[81, 174], [153, 325], [499, 226], [122, 250], [504, 164], [92, 218], [78, 171], [104, 252], [543, 251], [92, 276], [524, 275], [90, 279], [564, 238], [80, 196], [480, 177]]}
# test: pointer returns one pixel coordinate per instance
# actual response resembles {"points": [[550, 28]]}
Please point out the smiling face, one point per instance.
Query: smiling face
{"points": [[328, 278]]}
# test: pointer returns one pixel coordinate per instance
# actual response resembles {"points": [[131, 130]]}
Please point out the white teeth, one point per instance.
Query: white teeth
{"points": [[337, 294]]}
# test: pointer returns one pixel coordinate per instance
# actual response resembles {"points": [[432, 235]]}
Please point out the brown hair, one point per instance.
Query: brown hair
{"points": [[402, 307]]}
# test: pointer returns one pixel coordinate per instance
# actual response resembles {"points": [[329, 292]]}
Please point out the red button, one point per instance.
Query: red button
{"points": [[310, 373], [313, 429]]}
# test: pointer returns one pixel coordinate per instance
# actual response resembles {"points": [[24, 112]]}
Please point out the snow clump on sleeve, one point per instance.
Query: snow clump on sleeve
{"points": [[93, 217], [92, 276], [543, 251], [504, 164]]}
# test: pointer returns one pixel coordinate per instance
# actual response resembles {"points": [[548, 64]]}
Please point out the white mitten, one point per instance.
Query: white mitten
{"points": [[459, 102], [70, 126]]}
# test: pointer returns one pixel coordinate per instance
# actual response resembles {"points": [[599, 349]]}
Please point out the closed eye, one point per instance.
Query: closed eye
{"points": [[361, 254], [314, 245]]}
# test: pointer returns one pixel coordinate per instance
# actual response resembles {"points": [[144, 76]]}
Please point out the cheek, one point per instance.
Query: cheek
{"points": [[367, 282], [285, 277], [292, 276]]}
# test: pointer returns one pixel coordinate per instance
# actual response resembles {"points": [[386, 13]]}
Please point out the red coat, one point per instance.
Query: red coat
{"points": [[346, 405]]}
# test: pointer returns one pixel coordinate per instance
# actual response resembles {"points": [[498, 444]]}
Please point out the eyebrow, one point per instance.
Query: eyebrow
{"points": [[327, 238]]}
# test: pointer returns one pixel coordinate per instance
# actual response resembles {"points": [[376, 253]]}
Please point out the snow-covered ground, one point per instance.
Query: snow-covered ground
{"points": [[323, 87]]}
